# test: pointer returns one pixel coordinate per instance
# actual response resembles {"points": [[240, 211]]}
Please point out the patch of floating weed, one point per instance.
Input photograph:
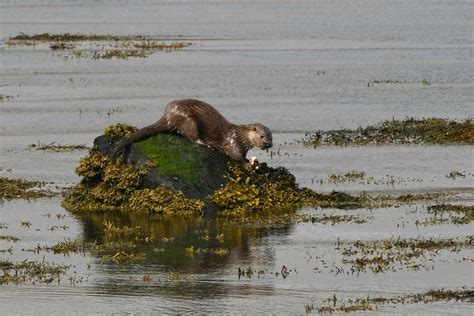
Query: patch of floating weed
{"points": [[191, 251], [56, 147], [68, 246], [386, 255], [375, 82], [348, 177], [31, 272], [248, 273], [25, 223], [337, 219], [61, 46], [120, 54], [385, 200], [147, 278], [65, 37], [449, 213], [4, 97], [111, 231], [151, 45], [362, 178], [284, 272], [102, 46], [407, 131], [177, 277], [111, 246], [9, 250], [57, 227], [336, 305], [457, 174], [9, 238], [220, 238], [22, 189], [63, 247], [410, 198], [123, 257]]}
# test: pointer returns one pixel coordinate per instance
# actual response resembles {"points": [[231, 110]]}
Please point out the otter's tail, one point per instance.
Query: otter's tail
{"points": [[160, 126]]}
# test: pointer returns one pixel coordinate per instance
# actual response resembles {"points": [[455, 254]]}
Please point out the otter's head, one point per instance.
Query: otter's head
{"points": [[260, 136]]}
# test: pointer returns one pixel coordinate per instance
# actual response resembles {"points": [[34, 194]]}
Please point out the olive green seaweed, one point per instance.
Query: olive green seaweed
{"points": [[99, 46], [114, 185], [22, 189], [334, 304], [407, 131], [248, 195]]}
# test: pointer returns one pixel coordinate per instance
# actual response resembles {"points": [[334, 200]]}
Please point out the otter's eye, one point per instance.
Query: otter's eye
{"points": [[255, 129], [262, 136]]}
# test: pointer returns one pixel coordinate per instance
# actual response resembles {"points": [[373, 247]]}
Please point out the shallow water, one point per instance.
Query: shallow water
{"points": [[294, 66]]}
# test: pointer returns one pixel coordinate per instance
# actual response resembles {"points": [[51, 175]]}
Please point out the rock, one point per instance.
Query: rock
{"points": [[167, 174], [194, 169]]}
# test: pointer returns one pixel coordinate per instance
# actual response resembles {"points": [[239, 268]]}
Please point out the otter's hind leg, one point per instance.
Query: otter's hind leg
{"points": [[188, 128]]}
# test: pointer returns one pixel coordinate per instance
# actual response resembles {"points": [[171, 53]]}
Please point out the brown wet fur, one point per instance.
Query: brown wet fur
{"points": [[201, 123]]}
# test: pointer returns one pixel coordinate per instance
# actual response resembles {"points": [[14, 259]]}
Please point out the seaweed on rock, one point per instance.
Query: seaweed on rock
{"points": [[162, 165]]}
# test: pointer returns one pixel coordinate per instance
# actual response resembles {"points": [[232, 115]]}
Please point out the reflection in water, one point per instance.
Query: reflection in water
{"points": [[180, 252]]}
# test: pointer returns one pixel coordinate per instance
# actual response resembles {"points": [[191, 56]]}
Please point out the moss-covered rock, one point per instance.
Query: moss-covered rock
{"points": [[167, 174], [170, 160], [139, 184]]}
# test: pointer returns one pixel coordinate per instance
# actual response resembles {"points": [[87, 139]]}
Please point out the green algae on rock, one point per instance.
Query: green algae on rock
{"points": [[175, 157], [406, 131]]}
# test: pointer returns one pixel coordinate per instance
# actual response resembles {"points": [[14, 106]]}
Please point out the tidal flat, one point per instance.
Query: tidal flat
{"points": [[301, 68]]}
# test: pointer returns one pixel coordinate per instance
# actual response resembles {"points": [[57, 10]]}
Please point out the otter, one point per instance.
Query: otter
{"points": [[201, 123]]}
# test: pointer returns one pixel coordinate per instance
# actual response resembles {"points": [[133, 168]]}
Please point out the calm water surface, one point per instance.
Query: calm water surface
{"points": [[295, 66]]}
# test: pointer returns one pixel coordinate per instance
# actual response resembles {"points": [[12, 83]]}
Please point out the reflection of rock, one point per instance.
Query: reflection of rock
{"points": [[179, 164], [164, 240]]}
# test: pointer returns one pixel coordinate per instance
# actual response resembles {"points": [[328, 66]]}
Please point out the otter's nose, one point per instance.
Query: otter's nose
{"points": [[268, 144]]}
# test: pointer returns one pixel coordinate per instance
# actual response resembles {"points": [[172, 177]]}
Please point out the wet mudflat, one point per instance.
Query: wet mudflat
{"points": [[296, 67]]}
